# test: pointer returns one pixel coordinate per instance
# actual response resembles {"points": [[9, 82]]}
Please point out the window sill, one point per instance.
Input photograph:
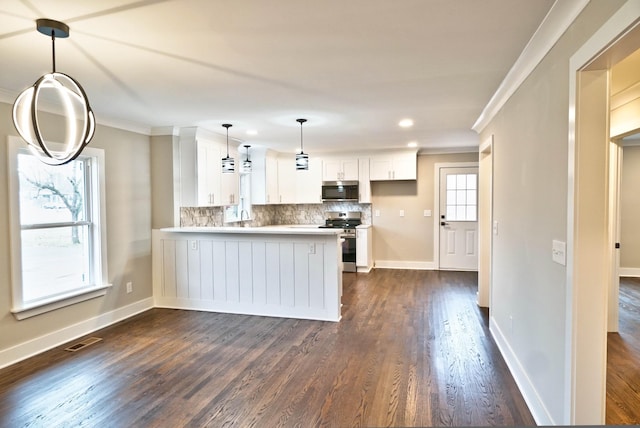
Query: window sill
{"points": [[48, 305]]}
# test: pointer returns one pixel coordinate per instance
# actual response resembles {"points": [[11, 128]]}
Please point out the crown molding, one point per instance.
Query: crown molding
{"points": [[553, 26], [9, 97]]}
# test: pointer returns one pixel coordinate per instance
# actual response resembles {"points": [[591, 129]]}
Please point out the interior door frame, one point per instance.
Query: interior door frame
{"points": [[589, 231], [485, 223], [436, 203]]}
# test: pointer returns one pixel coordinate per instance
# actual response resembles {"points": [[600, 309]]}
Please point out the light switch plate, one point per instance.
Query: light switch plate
{"points": [[377, 213], [559, 252], [401, 213], [495, 227], [427, 213]]}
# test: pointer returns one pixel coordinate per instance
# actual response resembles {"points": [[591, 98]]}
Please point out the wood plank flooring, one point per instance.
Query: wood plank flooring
{"points": [[623, 359], [412, 349]]}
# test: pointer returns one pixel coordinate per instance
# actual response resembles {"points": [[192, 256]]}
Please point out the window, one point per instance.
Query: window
{"points": [[461, 197], [57, 235]]}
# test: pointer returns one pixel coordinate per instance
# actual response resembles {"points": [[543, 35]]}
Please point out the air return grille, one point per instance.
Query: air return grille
{"points": [[83, 344]]}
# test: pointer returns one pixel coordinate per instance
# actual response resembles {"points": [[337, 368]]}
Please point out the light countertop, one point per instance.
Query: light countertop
{"points": [[296, 229]]}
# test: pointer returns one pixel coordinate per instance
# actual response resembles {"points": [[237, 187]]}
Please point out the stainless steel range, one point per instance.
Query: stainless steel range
{"points": [[347, 221]]}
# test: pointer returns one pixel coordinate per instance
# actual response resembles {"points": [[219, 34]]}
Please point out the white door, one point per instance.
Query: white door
{"points": [[459, 218]]}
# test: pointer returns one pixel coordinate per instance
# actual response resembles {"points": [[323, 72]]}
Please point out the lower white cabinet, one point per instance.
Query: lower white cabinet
{"points": [[364, 248]]}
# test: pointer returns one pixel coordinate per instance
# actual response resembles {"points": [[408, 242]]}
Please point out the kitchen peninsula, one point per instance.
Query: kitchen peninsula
{"points": [[281, 271]]}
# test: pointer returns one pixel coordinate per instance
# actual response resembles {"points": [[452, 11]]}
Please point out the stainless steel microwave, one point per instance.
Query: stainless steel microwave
{"points": [[340, 191]]}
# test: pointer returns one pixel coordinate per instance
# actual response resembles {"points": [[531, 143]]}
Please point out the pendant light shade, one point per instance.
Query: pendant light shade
{"points": [[64, 91], [246, 164], [228, 163], [302, 159]]}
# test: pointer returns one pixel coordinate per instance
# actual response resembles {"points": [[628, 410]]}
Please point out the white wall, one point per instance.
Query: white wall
{"points": [[128, 245], [528, 308]]}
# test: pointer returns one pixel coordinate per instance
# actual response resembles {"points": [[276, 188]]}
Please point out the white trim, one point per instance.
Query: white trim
{"points": [[9, 97], [449, 150], [632, 272], [96, 200], [486, 233], [58, 302], [536, 406], [436, 203], [604, 37], [399, 264], [560, 17], [51, 340]]}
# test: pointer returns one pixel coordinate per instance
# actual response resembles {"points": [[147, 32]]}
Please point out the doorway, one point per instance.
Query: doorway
{"points": [[457, 226], [589, 244]]}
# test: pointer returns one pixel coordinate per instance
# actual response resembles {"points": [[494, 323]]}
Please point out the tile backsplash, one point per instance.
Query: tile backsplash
{"points": [[265, 215]]}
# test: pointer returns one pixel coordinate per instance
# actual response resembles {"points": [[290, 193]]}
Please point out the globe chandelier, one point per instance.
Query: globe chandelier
{"points": [[63, 90]]}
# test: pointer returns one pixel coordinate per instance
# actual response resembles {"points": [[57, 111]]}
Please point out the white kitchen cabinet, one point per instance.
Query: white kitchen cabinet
{"points": [[309, 183], [364, 185], [340, 169], [364, 248], [287, 188], [215, 188], [393, 166], [271, 177], [230, 182], [208, 178], [264, 177]]}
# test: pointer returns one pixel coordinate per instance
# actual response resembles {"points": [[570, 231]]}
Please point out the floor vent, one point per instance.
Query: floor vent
{"points": [[80, 345]]}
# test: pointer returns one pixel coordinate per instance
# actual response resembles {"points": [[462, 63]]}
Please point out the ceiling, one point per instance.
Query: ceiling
{"points": [[353, 68]]}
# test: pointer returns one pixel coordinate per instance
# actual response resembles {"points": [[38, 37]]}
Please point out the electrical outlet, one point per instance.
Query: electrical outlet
{"points": [[377, 213], [312, 248], [129, 287], [194, 245]]}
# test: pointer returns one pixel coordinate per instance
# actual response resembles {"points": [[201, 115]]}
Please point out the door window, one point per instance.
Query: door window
{"points": [[461, 203]]}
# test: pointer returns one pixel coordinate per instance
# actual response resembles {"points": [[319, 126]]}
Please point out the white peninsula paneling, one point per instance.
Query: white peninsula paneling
{"points": [[288, 275]]}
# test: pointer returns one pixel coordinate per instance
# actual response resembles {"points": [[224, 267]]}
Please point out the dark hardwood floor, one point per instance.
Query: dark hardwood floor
{"points": [[623, 359], [412, 349]]}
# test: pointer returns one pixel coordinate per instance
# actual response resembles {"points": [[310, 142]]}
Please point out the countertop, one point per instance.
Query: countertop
{"points": [[295, 229]]}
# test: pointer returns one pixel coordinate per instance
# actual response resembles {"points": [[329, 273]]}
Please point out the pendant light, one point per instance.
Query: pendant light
{"points": [[228, 164], [246, 164], [302, 159], [78, 116]]}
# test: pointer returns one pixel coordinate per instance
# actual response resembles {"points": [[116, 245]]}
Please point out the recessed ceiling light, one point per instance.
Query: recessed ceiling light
{"points": [[252, 132], [406, 123], [412, 144]]}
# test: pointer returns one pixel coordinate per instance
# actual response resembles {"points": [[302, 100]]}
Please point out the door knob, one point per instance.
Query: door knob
{"points": [[444, 223]]}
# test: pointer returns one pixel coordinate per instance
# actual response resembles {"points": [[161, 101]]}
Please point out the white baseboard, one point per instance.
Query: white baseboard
{"points": [[528, 390], [40, 344], [398, 264], [634, 272]]}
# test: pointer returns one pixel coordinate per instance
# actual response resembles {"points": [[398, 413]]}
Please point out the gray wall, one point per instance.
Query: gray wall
{"points": [[630, 209], [128, 196], [530, 203], [409, 238]]}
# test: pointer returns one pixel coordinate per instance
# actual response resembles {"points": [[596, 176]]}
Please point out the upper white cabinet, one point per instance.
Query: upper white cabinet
{"points": [[208, 179], [364, 185], [309, 183], [264, 177], [299, 187], [287, 187], [393, 166], [340, 169], [215, 188]]}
